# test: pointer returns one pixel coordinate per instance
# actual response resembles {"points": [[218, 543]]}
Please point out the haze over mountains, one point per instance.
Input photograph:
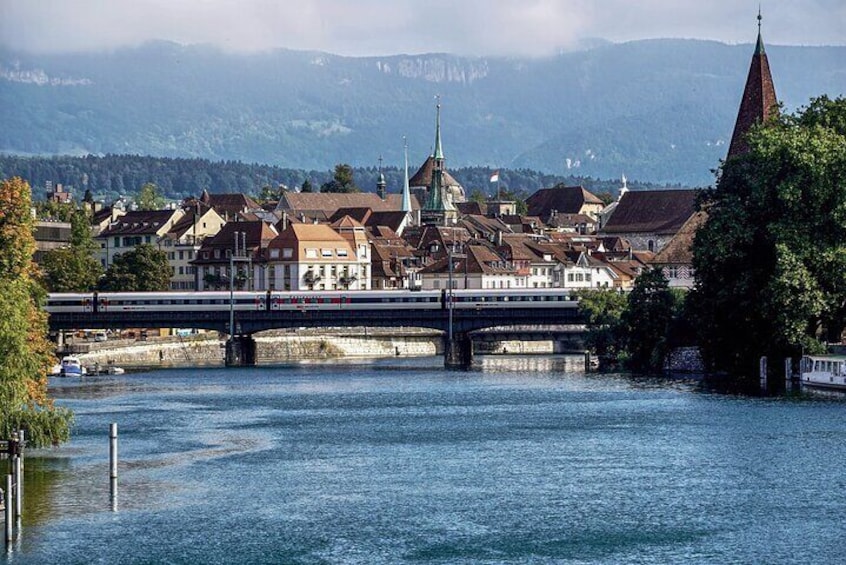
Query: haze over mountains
{"points": [[654, 110]]}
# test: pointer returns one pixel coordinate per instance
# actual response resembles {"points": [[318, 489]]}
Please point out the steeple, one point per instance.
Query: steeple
{"points": [[759, 101], [406, 190], [439, 208], [381, 185], [439, 151]]}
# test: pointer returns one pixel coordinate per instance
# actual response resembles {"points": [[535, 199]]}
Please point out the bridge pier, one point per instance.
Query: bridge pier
{"points": [[458, 352], [241, 351]]}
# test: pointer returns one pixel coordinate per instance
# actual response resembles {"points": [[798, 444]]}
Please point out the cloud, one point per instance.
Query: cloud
{"points": [[373, 27]]}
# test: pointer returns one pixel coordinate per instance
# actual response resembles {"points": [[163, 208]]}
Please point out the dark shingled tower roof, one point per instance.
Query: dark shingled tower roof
{"points": [[759, 101]]}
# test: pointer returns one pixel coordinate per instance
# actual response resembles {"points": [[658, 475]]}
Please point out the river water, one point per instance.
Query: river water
{"points": [[523, 460]]}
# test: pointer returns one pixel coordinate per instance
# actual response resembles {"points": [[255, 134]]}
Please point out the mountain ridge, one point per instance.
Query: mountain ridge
{"points": [[659, 110]]}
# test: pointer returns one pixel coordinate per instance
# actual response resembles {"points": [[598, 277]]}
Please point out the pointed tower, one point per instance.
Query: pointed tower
{"points": [[439, 209], [381, 185], [406, 190], [759, 101]]}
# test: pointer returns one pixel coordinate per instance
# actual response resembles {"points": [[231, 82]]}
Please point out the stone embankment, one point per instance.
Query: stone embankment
{"points": [[280, 346], [272, 346]]}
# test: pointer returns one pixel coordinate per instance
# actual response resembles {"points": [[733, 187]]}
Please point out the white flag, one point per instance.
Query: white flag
{"points": [[495, 176]]}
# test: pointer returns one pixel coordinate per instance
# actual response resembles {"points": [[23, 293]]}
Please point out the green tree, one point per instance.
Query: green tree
{"points": [[306, 186], [771, 258], [646, 321], [73, 268], [603, 310], [52, 210], [25, 353], [150, 198], [144, 269], [342, 180]]}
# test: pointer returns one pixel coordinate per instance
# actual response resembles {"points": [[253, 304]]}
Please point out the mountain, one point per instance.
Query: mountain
{"points": [[656, 110]]}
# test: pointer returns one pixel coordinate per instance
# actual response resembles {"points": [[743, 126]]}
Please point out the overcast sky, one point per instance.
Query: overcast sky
{"points": [[379, 27]]}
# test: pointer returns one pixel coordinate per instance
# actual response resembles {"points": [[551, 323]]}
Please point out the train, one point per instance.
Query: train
{"points": [[272, 300]]}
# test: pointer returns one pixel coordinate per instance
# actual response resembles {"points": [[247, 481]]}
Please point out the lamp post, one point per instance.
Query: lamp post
{"points": [[449, 254]]}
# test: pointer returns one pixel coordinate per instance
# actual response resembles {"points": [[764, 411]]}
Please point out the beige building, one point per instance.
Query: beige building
{"points": [[182, 243], [316, 257]]}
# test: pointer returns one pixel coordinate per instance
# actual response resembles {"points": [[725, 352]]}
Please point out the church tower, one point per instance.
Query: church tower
{"points": [[439, 209], [759, 101]]}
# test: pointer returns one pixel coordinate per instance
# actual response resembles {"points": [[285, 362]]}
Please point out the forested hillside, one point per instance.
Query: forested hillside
{"points": [[113, 176], [657, 110]]}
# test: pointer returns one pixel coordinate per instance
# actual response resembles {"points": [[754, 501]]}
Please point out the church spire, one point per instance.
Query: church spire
{"points": [[759, 101], [406, 190], [439, 151]]}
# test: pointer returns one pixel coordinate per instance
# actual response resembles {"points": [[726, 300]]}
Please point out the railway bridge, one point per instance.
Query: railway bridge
{"points": [[529, 321]]}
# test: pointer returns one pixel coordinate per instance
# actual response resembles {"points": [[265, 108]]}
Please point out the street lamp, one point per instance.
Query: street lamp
{"points": [[449, 307]]}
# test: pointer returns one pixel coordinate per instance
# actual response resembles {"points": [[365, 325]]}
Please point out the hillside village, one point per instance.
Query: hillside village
{"points": [[423, 235]]}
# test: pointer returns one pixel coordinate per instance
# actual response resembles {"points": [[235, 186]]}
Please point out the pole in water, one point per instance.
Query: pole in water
{"points": [[762, 372], [18, 488], [8, 510], [113, 456]]}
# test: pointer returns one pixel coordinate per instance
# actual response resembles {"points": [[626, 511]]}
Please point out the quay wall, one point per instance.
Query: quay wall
{"points": [[281, 346]]}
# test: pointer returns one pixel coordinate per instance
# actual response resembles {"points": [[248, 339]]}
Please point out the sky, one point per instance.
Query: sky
{"points": [[385, 27]]}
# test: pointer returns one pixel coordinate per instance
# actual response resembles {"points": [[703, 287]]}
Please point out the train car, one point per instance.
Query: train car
{"points": [[354, 300], [180, 301], [69, 302], [510, 298]]}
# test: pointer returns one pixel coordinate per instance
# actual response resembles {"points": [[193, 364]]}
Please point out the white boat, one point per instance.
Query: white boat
{"points": [[824, 372], [71, 367]]}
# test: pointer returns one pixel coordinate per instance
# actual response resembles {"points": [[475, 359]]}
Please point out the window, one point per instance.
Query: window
{"points": [[650, 245], [274, 254], [341, 252], [287, 253], [181, 255], [217, 253], [311, 253], [325, 252], [147, 239]]}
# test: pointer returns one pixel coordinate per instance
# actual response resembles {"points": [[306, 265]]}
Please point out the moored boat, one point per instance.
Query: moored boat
{"points": [[71, 367], [824, 372]]}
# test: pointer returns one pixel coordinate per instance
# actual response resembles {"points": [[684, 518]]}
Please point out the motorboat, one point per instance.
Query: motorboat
{"points": [[824, 372], [71, 367]]}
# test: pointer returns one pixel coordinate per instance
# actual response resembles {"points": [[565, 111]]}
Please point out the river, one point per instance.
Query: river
{"points": [[522, 460]]}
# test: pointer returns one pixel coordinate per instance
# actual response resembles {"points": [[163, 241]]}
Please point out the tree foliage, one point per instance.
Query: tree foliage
{"points": [[342, 181], [771, 259], [73, 268], [25, 353], [646, 320], [150, 197], [144, 269], [603, 310]]}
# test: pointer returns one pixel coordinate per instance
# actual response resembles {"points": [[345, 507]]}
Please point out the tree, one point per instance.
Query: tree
{"points": [[73, 268], [25, 353], [602, 310], [306, 187], [342, 181], [150, 198], [646, 320], [144, 269], [770, 260]]}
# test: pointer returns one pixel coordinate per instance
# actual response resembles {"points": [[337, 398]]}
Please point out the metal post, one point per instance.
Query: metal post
{"points": [[18, 488], [762, 373], [8, 509], [449, 306], [113, 453], [232, 295]]}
